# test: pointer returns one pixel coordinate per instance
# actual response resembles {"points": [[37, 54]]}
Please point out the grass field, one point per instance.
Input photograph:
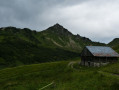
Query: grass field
{"points": [[60, 76]]}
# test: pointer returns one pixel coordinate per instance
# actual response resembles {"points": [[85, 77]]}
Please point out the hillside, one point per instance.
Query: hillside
{"points": [[55, 36], [25, 46], [62, 38], [19, 47], [60, 76], [114, 44]]}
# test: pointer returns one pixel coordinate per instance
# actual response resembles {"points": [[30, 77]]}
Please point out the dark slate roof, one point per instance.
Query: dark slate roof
{"points": [[102, 51]]}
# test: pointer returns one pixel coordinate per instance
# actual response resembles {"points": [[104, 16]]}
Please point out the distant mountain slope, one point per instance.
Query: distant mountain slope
{"points": [[116, 47], [25, 46], [62, 38], [18, 52], [20, 46], [114, 44], [54, 36]]}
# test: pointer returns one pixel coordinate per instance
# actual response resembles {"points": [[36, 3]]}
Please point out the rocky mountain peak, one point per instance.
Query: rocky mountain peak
{"points": [[58, 25], [59, 29]]}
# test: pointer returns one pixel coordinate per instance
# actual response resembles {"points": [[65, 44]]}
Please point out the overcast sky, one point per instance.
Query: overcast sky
{"points": [[95, 19]]}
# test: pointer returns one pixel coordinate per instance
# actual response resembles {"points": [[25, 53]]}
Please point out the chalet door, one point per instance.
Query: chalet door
{"points": [[88, 63]]}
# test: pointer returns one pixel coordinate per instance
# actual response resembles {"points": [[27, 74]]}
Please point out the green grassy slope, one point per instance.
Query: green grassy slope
{"points": [[62, 38], [116, 48], [114, 44], [24, 46], [21, 52], [54, 37], [20, 46], [34, 77]]}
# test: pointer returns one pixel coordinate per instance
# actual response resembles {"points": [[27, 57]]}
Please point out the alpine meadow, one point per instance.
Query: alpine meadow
{"points": [[59, 45]]}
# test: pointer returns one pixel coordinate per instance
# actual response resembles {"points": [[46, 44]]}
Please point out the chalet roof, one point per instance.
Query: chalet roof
{"points": [[102, 51]]}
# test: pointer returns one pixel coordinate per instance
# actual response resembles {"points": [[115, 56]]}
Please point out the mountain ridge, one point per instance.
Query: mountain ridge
{"points": [[55, 36], [74, 42], [24, 46], [114, 44]]}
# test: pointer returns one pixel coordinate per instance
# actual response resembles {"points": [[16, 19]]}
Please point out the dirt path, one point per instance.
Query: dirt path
{"points": [[71, 64]]}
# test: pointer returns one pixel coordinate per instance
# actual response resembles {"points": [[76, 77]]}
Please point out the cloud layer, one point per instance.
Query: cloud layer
{"points": [[96, 19]]}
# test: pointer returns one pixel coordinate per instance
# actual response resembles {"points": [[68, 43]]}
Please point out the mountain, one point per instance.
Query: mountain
{"points": [[25, 46], [115, 44], [62, 38]]}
